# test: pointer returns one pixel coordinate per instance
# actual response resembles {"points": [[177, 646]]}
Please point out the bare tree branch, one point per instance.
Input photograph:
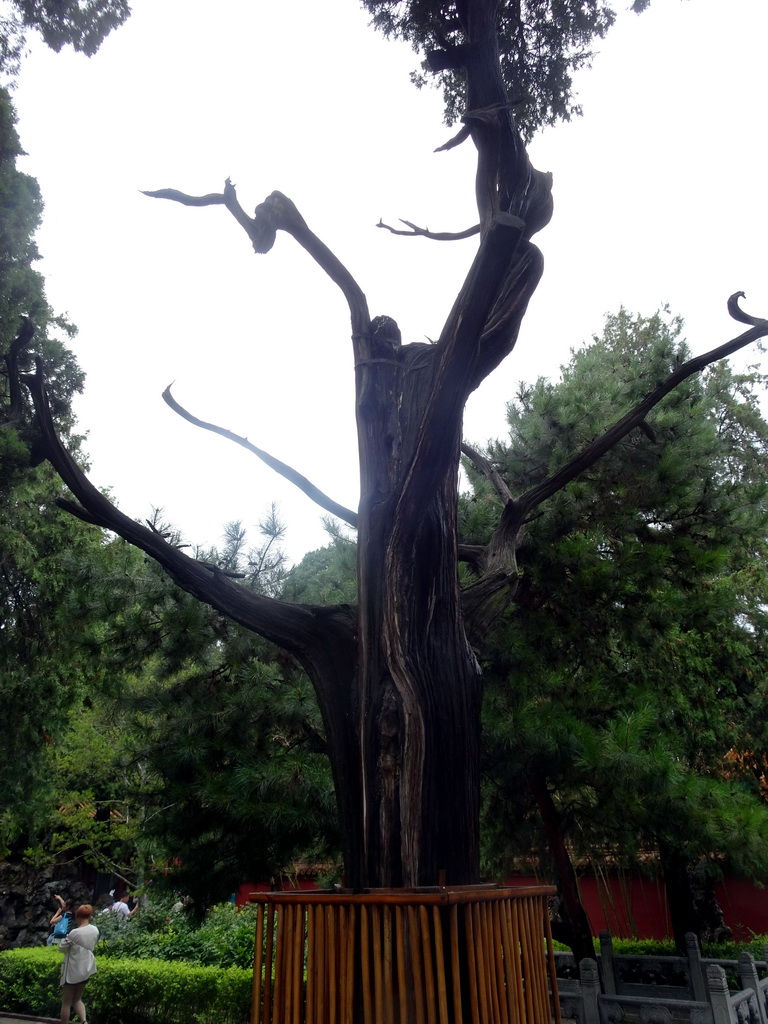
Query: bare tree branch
{"points": [[589, 455], [305, 485], [278, 213], [173, 194], [489, 471], [485, 599], [438, 236], [461, 136], [297, 628], [739, 314], [473, 554]]}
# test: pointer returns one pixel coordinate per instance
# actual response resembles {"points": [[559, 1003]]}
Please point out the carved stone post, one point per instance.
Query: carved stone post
{"points": [[606, 964], [590, 990], [748, 978], [695, 968], [722, 1011]]}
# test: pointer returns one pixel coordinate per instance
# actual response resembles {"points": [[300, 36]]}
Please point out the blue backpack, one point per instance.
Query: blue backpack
{"points": [[61, 928]]}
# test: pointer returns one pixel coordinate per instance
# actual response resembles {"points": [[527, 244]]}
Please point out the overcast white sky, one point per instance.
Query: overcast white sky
{"points": [[659, 197]]}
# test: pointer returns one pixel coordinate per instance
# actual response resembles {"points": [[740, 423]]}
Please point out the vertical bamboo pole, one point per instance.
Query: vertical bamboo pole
{"points": [[402, 982], [321, 973], [258, 966], [388, 975], [497, 945], [484, 911], [299, 1010], [278, 998], [418, 981], [455, 972], [377, 963], [511, 956], [429, 968], [310, 1013], [537, 950], [297, 962], [365, 965], [528, 968], [442, 995], [481, 974], [332, 961], [268, 966], [472, 969], [349, 956], [517, 960], [285, 949], [289, 913]]}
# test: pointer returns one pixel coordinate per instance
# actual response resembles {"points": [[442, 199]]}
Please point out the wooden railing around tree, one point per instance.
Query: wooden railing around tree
{"points": [[440, 956]]}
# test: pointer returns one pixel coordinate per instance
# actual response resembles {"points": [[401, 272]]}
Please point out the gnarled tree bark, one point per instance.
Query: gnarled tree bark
{"points": [[397, 679]]}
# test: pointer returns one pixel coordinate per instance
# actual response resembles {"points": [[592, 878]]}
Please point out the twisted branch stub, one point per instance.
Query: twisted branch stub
{"points": [[738, 314]]}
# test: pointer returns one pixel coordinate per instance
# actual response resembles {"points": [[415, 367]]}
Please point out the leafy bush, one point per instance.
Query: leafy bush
{"points": [[641, 947], [128, 991], [29, 980], [666, 947], [630, 947], [223, 939], [710, 950]]}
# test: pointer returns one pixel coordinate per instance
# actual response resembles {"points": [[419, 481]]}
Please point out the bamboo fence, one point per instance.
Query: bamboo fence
{"points": [[477, 955]]}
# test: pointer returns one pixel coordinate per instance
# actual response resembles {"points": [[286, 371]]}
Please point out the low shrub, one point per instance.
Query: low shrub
{"points": [[641, 947], [709, 950], [128, 991], [666, 947], [223, 939], [29, 980]]}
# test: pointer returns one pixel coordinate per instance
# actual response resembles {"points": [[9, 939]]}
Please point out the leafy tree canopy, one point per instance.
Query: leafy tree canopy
{"points": [[81, 24], [542, 43], [634, 657], [22, 304], [222, 743]]}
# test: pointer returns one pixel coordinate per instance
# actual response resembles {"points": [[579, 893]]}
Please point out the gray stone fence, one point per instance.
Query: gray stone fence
{"points": [[663, 990]]}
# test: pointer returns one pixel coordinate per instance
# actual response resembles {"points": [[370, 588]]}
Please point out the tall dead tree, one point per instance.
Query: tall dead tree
{"points": [[398, 678]]}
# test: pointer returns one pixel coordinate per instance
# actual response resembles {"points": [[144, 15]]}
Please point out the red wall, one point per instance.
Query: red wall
{"points": [[626, 905], [632, 905]]}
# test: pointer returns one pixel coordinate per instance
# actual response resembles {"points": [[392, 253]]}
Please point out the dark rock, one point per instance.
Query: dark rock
{"points": [[27, 901]]}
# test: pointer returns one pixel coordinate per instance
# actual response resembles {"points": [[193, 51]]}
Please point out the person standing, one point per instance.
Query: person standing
{"points": [[120, 907], [79, 963], [117, 906], [62, 921]]}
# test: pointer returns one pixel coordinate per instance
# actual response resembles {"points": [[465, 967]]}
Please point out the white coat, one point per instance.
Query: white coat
{"points": [[79, 961]]}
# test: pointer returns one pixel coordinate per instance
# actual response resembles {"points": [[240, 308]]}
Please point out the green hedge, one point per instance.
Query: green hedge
{"points": [[128, 991], [666, 947], [223, 939]]}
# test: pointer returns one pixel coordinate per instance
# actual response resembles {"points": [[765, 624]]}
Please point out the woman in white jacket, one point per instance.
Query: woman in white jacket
{"points": [[79, 963]]}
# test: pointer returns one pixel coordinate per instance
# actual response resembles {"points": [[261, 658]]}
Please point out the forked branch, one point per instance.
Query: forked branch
{"points": [[489, 471], [414, 231], [296, 628], [486, 598], [590, 454], [278, 213], [318, 496]]}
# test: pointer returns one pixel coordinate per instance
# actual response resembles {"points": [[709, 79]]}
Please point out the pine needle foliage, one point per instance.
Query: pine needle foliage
{"points": [[634, 657], [542, 44], [229, 767]]}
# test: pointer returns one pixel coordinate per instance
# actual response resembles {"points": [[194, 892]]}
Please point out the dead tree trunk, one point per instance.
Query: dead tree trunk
{"points": [[397, 679]]}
